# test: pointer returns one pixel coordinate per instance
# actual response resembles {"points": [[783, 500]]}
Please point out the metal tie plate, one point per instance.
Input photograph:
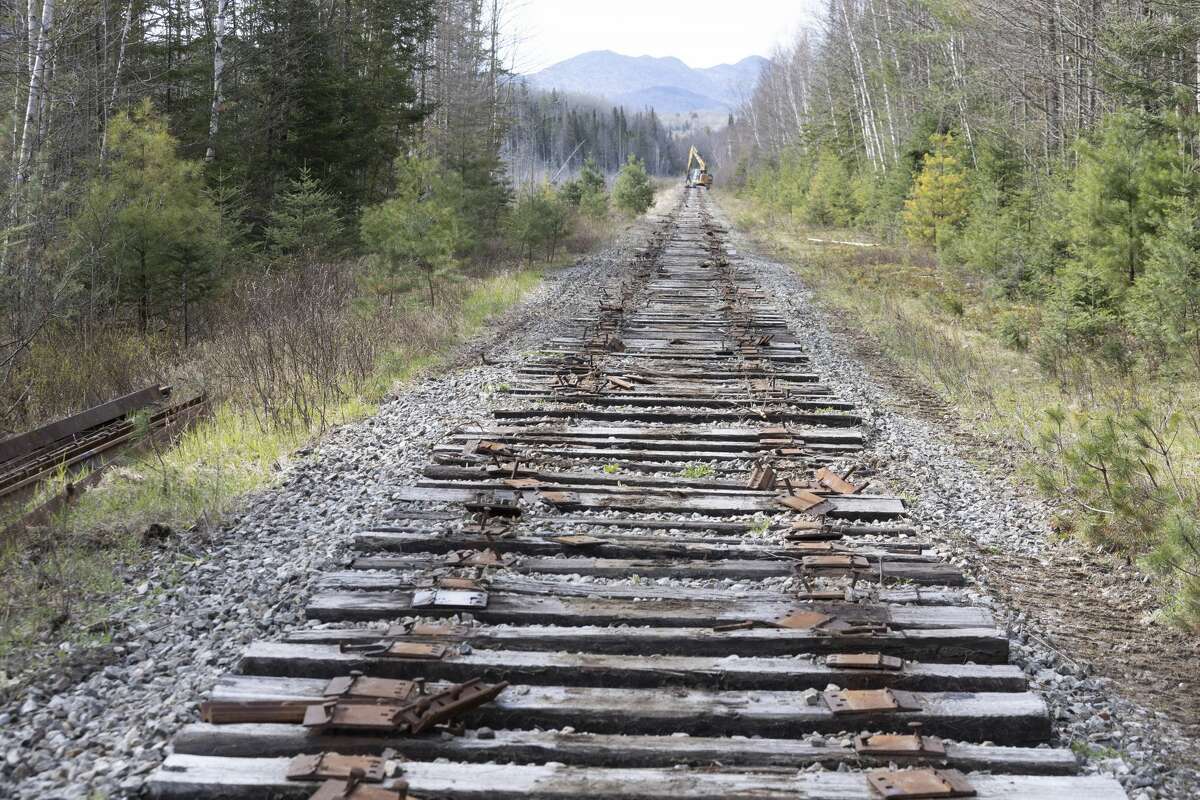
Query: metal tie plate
{"points": [[319, 766], [919, 784], [872, 661], [890, 745], [350, 687], [869, 701]]}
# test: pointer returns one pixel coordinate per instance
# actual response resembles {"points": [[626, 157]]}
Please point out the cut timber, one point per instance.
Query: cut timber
{"points": [[611, 545], [589, 749], [870, 507], [999, 717], [680, 417], [954, 645], [592, 669], [887, 569], [186, 776], [523, 585], [533, 610]]}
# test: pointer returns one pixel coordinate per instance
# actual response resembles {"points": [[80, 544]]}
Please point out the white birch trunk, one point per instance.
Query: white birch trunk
{"points": [[37, 79], [214, 118]]}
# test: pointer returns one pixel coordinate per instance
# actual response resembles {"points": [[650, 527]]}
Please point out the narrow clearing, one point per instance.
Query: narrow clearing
{"points": [[665, 533]]}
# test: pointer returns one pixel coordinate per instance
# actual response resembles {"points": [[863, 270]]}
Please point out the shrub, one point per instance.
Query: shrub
{"points": [[938, 201], [633, 193]]}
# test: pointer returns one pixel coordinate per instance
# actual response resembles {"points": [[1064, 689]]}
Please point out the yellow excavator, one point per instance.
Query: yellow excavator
{"points": [[698, 175]]}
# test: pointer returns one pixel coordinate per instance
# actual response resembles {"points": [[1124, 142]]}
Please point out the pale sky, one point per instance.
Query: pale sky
{"points": [[703, 33]]}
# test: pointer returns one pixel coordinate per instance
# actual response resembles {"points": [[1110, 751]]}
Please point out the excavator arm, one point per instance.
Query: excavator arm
{"points": [[697, 176]]}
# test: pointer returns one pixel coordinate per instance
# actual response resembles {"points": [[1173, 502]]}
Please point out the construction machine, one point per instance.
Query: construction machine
{"points": [[698, 175]]}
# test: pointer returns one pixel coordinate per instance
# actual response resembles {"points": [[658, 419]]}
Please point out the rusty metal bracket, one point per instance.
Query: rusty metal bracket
{"points": [[872, 661], [352, 788], [897, 745], [919, 784], [762, 477], [803, 620], [836, 483], [319, 766], [412, 650], [869, 701], [353, 716], [450, 702], [358, 687]]}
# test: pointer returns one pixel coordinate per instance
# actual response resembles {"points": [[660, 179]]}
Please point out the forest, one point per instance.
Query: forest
{"points": [[1025, 173]]}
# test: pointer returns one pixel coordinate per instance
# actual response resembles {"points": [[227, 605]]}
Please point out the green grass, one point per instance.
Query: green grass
{"points": [[696, 471]]}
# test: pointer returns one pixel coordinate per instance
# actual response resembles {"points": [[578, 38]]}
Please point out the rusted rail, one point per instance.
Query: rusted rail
{"points": [[86, 442], [580, 548]]}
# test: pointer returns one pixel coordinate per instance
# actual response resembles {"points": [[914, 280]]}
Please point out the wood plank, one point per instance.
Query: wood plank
{"points": [[868, 507], [947, 645], [518, 585], [681, 416], [1006, 718], [598, 750], [522, 610], [913, 569], [595, 669], [189, 776], [613, 544], [674, 433]]}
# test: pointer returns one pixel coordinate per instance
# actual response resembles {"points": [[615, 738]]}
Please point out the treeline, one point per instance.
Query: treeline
{"points": [[552, 131], [1047, 150]]}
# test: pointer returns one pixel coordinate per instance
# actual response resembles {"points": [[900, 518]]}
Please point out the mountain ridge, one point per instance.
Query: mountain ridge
{"points": [[665, 83]]}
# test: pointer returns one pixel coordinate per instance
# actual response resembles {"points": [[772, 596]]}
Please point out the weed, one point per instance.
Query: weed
{"points": [[696, 471], [611, 469]]}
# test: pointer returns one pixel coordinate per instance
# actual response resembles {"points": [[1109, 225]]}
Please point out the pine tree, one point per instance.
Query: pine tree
{"points": [[304, 223], [416, 234], [1164, 304], [633, 193], [938, 201], [830, 199], [148, 217], [1122, 190]]}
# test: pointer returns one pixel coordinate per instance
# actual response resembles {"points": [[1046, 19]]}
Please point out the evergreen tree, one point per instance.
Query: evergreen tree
{"points": [[633, 193], [1121, 193], [830, 199], [148, 218], [1165, 302], [938, 201], [541, 219], [415, 235], [304, 223]]}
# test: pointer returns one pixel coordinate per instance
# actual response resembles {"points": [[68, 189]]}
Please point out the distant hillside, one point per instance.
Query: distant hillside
{"points": [[666, 84]]}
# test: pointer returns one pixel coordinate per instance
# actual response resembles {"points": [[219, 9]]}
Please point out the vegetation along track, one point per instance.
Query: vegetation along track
{"points": [[575, 553]]}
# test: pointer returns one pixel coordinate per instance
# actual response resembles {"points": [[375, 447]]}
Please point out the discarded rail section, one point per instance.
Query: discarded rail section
{"points": [[87, 442], [652, 575]]}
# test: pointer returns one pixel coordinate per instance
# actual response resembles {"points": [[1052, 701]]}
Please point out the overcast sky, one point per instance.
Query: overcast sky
{"points": [[701, 32]]}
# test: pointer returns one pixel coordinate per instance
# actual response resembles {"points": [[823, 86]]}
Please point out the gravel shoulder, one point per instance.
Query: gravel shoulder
{"points": [[1081, 624]]}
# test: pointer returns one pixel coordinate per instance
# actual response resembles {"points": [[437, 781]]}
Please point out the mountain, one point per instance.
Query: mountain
{"points": [[666, 84]]}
